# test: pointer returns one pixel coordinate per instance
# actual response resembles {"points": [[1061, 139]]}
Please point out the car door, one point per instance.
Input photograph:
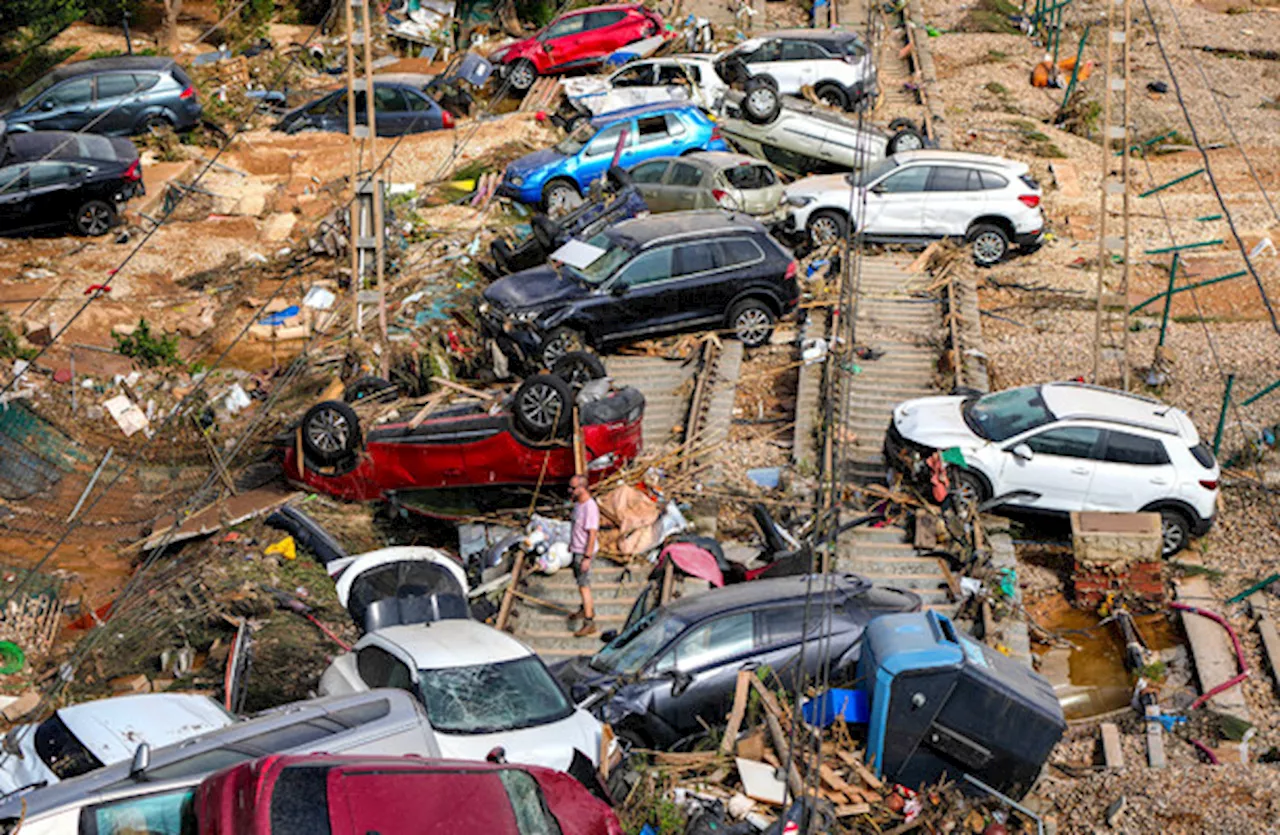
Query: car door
{"points": [[712, 274], [707, 658], [800, 63], [15, 208], [391, 110], [597, 156], [753, 188], [116, 103], [649, 180], [639, 74], [602, 34], [66, 106], [1062, 466], [895, 205], [643, 298], [686, 185], [767, 60], [953, 197], [652, 139], [677, 82], [421, 113], [563, 41], [53, 189], [1134, 471]]}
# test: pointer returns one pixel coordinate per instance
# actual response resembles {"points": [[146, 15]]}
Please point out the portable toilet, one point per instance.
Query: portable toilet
{"points": [[943, 704]]}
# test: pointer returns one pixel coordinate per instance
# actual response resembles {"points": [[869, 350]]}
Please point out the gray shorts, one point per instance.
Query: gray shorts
{"points": [[582, 575]]}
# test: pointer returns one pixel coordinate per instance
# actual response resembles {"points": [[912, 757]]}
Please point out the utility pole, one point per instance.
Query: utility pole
{"points": [[353, 212], [1111, 321], [378, 208]]}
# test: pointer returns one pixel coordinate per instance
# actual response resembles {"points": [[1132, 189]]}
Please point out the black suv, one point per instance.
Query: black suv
{"points": [[115, 96], [641, 278], [53, 178]]}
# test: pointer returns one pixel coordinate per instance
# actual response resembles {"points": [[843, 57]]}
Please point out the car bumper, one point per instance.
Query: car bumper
{"points": [[1029, 240], [1201, 526], [522, 194], [518, 343]]}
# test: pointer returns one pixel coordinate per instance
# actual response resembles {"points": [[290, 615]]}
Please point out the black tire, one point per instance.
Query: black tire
{"points": [[94, 218], [557, 196], [970, 487], [501, 252], [576, 122], [826, 227], [760, 101], [545, 232], [903, 123], [618, 177], [522, 75], [1175, 531], [154, 122], [543, 407], [752, 322], [365, 387], [906, 139], [832, 94], [558, 343], [330, 432], [988, 243], [577, 368]]}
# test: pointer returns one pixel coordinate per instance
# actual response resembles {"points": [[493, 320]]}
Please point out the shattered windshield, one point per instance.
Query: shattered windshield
{"points": [[1000, 416], [576, 141], [615, 255], [488, 698], [631, 650]]}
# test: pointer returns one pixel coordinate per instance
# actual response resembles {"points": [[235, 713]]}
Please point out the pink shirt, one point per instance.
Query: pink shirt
{"points": [[586, 518]]}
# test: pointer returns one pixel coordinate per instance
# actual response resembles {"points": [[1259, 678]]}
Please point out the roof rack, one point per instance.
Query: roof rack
{"points": [[1095, 387], [1119, 421]]}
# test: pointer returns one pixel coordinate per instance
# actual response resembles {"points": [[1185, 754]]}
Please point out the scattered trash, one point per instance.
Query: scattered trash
{"points": [[766, 477], [127, 416], [285, 548]]}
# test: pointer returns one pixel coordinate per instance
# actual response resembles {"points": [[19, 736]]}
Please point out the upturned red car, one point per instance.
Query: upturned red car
{"points": [[524, 439], [323, 793], [578, 39]]}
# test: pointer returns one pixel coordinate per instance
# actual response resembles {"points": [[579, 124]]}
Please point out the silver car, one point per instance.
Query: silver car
{"points": [[708, 180]]}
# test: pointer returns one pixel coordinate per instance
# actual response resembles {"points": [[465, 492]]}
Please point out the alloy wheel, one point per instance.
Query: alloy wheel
{"points": [[541, 406], [988, 247], [523, 76], [823, 230], [752, 326], [95, 220], [1172, 535], [559, 200], [561, 344], [908, 142], [761, 100], [328, 431]]}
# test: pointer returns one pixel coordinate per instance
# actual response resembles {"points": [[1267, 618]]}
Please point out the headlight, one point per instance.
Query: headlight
{"points": [[799, 200], [483, 308], [604, 462], [516, 180], [526, 316]]}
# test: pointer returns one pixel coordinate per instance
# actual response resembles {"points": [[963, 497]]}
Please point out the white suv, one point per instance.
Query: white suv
{"points": [[921, 196], [1061, 447], [834, 62]]}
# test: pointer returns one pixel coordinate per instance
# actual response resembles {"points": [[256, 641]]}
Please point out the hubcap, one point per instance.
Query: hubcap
{"points": [[522, 77], [824, 230], [988, 247], [578, 375], [909, 142], [328, 431], [968, 491], [541, 406], [557, 348], [752, 325], [831, 100], [559, 200], [761, 101], [1172, 535], [95, 220]]}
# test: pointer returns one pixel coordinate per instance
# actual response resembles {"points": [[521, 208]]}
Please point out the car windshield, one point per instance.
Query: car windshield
{"points": [[1000, 416], [490, 698], [59, 749], [631, 650], [26, 96], [871, 173], [576, 141], [615, 255]]}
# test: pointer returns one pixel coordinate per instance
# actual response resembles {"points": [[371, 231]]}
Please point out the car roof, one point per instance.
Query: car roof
{"points": [[603, 119], [64, 145], [454, 642], [934, 155], [112, 728], [1081, 401], [723, 159], [693, 608], [609, 7], [641, 231], [122, 62], [834, 34]]}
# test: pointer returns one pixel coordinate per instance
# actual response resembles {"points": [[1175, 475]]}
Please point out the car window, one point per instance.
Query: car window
{"points": [[640, 75], [1000, 416], [649, 172], [784, 624], [415, 102], [654, 265], [114, 85], [906, 181], [696, 258], [768, 51], [946, 178], [652, 129], [379, 668], [59, 749], [750, 176], [679, 74], [565, 26], [801, 51], [722, 638], [76, 91], [491, 698], [684, 174], [675, 125], [1065, 441], [607, 140], [388, 100], [145, 81], [49, 173], [13, 178], [1203, 454], [638, 643], [533, 817], [1124, 448], [167, 813], [737, 251], [853, 48], [991, 182], [289, 737], [598, 20], [300, 801]]}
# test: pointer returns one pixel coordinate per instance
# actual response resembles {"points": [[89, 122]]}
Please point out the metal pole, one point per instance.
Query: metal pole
{"points": [[1222, 415], [128, 39], [378, 219], [92, 481], [353, 227], [74, 396], [1168, 300]]}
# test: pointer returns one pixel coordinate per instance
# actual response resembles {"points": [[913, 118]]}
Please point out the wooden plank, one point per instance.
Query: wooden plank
{"points": [[1112, 751], [852, 809], [926, 535], [427, 408], [780, 745], [769, 700], [483, 395], [864, 773], [737, 712], [835, 781], [509, 598]]}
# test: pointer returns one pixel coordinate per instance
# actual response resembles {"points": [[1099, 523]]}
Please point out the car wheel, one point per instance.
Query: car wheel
{"points": [[96, 217], [577, 368], [543, 407], [761, 101], [559, 197], [523, 74], [330, 432], [970, 488], [905, 139], [155, 122], [752, 322], [363, 388], [827, 228], [1175, 532], [990, 244], [559, 343], [903, 123], [832, 95]]}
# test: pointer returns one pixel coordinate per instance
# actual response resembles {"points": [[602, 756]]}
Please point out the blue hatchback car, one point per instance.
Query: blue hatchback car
{"points": [[554, 176]]}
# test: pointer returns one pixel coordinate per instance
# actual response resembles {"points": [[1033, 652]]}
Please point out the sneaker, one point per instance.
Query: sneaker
{"points": [[578, 615], [588, 628]]}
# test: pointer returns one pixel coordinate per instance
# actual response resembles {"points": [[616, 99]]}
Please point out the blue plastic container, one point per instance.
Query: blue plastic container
{"points": [[822, 710]]}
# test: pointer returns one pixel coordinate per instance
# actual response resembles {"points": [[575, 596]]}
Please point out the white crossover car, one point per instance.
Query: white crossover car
{"points": [[834, 62], [1063, 447]]}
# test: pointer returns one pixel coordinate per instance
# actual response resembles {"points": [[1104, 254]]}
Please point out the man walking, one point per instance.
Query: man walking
{"points": [[583, 544]]}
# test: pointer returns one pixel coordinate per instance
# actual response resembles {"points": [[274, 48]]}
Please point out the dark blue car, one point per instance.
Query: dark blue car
{"points": [[399, 109], [555, 177], [113, 96]]}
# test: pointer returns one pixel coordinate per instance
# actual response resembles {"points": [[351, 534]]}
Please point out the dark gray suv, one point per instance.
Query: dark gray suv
{"points": [[114, 96]]}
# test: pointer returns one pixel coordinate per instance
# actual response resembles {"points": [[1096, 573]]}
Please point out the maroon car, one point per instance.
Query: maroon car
{"points": [[346, 795]]}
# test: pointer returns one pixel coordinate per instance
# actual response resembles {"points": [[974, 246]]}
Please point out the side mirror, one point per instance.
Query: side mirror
{"points": [[618, 289], [1022, 451], [546, 47], [141, 761], [680, 682], [607, 636], [47, 105], [877, 189]]}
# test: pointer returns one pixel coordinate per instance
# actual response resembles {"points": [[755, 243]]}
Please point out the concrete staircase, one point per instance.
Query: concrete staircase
{"points": [[545, 629], [886, 558]]}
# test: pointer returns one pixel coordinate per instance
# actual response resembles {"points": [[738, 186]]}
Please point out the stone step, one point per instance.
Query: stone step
{"points": [[888, 566], [867, 533], [918, 583], [529, 624]]}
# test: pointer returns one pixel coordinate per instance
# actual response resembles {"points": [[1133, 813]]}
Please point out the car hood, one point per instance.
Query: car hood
{"points": [[816, 185], [579, 678], [934, 422], [535, 161], [551, 746], [533, 288], [25, 769]]}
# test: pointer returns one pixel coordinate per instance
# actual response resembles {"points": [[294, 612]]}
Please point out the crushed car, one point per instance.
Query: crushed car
{"points": [[399, 109], [691, 78]]}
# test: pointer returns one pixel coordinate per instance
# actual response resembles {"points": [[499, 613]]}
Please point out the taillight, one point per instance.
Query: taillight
{"points": [[446, 119], [792, 269], [715, 133], [719, 195], [189, 93], [134, 172], [1208, 485], [1029, 200]]}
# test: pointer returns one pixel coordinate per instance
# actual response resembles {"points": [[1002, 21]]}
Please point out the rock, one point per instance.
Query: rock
{"points": [[130, 684], [37, 274], [277, 227]]}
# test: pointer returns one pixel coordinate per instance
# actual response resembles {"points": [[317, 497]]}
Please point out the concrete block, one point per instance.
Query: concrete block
{"points": [[1115, 539], [1112, 750]]}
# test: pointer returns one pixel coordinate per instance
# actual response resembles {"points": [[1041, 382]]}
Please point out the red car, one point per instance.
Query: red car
{"points": [[522, 440], [345, 795], [575, 40]]}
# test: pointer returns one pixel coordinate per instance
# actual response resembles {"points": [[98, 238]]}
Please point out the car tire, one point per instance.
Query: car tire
{"points": [[330, 432], [577, 368], [826, 227], [1175, 531], [906, 139], [970, 488], [618, 178], [522, 75], [94, 218], [752, 322], [154, 122], [545, 232], [367, 387], [761, 102], [501, 252], [833, 95], [558, 197], [543, 407], [903, 123], [560, 343], [988, 243]]}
